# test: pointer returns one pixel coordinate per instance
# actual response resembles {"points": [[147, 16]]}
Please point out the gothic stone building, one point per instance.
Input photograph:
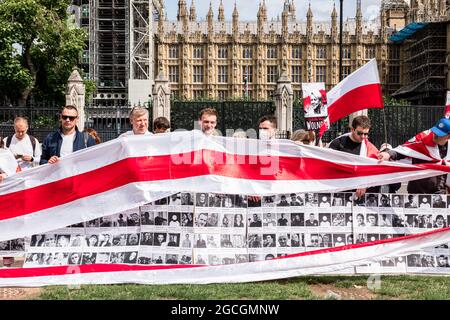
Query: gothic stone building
{"points": [[221, 59]]}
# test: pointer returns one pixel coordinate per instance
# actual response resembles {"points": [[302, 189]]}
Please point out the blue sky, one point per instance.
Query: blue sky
{"points": [[248, 8]]}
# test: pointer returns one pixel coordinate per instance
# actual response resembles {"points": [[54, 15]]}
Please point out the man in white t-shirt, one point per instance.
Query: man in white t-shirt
{"points": [[26, 148], [139, 121], [67, 139]]}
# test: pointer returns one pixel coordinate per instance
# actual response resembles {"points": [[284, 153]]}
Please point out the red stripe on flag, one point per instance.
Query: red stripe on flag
{"points": [[86, 268], [364, 97], [199, 163]]}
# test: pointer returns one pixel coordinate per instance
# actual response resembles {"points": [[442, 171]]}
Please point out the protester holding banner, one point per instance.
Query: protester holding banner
{"points": [[66, 139], [161, 125], [267, 127], [26, 148], [356, 142], [304, 137], [429, 146], [208, 121], [139, 121], [93, 134]]}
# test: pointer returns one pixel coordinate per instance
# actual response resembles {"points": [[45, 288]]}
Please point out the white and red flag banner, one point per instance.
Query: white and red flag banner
{"points": [[131, 171], [360, 90], [422, 147], [128, 172]]}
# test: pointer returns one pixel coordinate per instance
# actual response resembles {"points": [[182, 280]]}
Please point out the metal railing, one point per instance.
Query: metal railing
{"points": [[393, 124]]}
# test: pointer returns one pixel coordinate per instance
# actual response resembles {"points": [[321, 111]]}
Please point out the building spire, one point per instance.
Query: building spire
{"points": [[358, 9], [182, 10], [221, 16], [209, 18], [193, 12], [235, 11], [235, 21], [309, 14], [284, 21], [210, 12], [334, 12], [309, 21]]}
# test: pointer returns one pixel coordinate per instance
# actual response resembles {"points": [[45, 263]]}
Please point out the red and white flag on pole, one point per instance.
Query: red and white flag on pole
{"points": [[360, 90]]}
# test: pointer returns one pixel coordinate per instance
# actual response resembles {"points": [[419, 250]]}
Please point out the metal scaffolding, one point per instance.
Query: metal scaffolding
{"points": [[139, 40], [425, 66], [107, 50]]}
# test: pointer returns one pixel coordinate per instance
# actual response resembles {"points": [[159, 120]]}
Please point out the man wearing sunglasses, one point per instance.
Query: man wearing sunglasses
{"points": [[357, 142], [67, 139]]}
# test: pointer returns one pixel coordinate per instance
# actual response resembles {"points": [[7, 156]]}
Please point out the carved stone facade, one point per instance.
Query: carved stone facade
{"points": [[428, 10], [215, 58]]}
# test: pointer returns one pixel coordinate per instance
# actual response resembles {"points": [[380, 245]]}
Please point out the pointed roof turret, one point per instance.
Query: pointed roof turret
{"points": [[221, 16], [192, 12]]}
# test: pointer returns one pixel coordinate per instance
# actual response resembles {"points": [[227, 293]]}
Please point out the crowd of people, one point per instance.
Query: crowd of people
{"points": [[21, 151]]}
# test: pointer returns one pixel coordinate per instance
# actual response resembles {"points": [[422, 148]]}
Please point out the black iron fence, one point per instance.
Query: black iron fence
{"points": [[397, 124], [42, 118], [232, 115], [109, 122], [394, 124]]}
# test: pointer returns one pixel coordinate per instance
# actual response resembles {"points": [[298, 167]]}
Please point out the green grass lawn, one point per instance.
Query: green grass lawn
{"points": [[309, 288]]}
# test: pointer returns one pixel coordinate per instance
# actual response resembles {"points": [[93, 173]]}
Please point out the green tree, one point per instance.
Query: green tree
{"points": [[390, 101], [38, 48]]}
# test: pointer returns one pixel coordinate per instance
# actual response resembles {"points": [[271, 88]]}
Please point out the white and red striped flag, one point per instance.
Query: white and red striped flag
{"points": [[360, 90], [131, 171], [422, 147]]}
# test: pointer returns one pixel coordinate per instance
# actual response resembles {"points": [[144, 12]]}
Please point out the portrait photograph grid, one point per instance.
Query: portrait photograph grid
{"points": [[213, 229]]}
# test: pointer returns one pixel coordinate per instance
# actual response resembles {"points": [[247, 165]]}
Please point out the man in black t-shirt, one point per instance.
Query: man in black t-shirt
{"points": [[353, 142]]}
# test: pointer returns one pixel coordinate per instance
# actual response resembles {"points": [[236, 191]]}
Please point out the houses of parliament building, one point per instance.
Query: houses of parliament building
{"points": [[218, 59], [209, 57]]}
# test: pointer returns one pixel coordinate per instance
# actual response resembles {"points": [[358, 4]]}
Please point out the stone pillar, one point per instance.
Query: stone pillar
{"points": [[75, 96], [284, 100], [161, 97]]}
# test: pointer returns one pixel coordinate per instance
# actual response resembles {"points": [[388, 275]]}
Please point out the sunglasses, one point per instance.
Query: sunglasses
{"points": [[360, 133], [71, 118]]}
